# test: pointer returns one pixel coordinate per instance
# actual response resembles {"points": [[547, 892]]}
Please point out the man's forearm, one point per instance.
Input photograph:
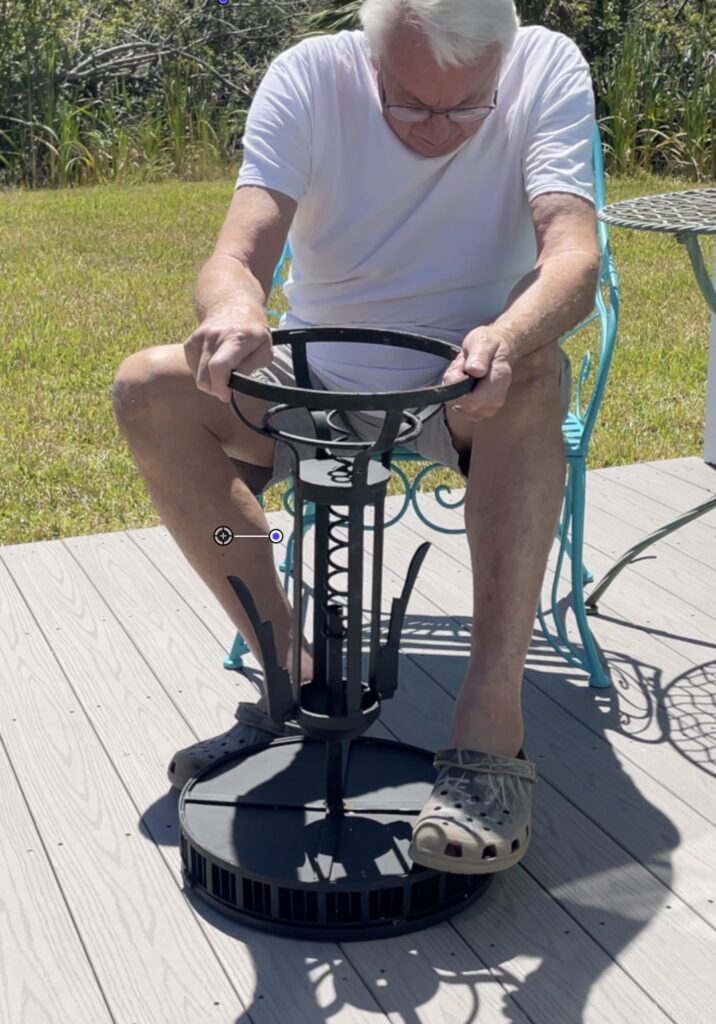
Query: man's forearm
{"points": [[223, 283], [548, 302]]}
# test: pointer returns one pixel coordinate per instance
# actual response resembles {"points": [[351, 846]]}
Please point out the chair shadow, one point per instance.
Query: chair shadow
{"points": [[439, 647], [684, 710]]}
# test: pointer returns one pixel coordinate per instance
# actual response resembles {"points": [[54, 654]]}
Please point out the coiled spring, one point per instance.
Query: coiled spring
{"points": [[334, 595], [341, 473]]}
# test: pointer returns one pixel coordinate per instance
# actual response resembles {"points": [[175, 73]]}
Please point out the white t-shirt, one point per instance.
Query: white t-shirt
{"points": [[386, 238]]}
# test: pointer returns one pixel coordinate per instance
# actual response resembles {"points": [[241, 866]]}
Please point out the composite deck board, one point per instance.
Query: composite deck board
{"points": [[640, 895], [644, 824], [111, 653], [95, 727], [659, 740], [630, 818], [59, 662], [692, 470], [598, 770], [421, 716], [650, 480]]}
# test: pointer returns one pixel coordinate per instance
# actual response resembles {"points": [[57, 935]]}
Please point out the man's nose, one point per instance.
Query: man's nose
{"points": [[438, 127]]}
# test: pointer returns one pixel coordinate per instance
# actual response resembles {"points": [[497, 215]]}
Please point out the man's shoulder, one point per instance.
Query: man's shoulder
{"points": [[326, 47], [541, 48]]}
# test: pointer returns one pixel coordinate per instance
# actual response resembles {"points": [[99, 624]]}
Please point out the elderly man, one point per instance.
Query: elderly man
{"points": [[435, 173]]}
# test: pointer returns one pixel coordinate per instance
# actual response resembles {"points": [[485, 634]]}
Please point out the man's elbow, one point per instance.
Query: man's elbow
{"points": [[578, 271]]}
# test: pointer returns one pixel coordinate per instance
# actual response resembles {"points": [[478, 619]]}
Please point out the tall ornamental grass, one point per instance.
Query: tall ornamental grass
{"points": [[179, 133], [655, 89]]}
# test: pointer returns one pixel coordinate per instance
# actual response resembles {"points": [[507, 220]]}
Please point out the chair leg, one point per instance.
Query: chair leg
{"points": [[234, 659], [597, 676], [573, 513], [587, 576], [286, 567]]}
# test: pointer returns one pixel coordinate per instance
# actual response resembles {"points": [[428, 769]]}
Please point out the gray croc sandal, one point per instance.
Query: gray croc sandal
{"points": [[478, 819], [254, 728]]}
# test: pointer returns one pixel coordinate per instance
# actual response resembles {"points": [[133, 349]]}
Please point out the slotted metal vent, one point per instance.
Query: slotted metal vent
{"points": [[262, 850]]}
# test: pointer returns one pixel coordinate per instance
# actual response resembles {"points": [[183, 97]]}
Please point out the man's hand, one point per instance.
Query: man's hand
{"points": [[486, 355], [230, 339]]}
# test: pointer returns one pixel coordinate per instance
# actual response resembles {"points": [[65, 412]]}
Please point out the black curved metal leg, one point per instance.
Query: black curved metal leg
{"points": [[630, 555]]}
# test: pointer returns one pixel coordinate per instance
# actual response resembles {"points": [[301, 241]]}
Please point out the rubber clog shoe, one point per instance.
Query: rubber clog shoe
{"points": [[254, 728], [478, 819]]}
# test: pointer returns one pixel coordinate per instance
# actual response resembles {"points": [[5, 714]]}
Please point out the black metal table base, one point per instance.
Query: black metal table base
{"points": [[308, 835], [259, 844], [591, 602]]}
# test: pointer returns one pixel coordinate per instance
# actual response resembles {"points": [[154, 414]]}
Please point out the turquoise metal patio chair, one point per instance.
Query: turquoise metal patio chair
{"points": [[577, 431]]}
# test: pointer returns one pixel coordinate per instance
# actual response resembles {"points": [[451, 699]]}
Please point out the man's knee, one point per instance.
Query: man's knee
{"points": [[143, 380], [540, 386], [545, 376], [541, 367], [536, 387]]}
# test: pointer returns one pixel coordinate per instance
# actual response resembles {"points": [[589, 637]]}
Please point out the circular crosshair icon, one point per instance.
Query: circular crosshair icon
{"points": [[276, 536], [223, 535]]}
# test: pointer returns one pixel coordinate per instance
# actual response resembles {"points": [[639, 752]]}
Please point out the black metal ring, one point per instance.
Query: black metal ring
{"points": [[305, 396], [415, 425]]}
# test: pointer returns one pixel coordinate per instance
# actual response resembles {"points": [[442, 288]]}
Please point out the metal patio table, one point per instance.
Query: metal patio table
{"points": [[686, 215]]}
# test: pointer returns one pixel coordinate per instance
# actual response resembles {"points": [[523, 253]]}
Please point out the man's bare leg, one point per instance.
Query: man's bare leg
{"points": [[171, 428], [514, 497]]}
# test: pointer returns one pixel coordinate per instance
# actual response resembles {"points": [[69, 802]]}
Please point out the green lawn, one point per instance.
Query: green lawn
{"points": [[89, 276]]}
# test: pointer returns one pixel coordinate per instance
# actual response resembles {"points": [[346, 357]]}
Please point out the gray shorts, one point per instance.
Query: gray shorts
{"points": [[434, 442]]}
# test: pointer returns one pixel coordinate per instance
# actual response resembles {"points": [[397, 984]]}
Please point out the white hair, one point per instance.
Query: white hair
{"points": [[458, 31]]}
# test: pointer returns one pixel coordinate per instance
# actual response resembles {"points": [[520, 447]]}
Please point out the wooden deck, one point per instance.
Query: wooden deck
{"points": [[111, 653]]}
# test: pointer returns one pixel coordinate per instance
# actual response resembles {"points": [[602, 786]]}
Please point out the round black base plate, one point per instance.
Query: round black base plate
{"points": [[258, 843]]}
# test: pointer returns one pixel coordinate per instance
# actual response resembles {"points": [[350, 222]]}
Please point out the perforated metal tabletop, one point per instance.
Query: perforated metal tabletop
{"points": [[692, 211]]}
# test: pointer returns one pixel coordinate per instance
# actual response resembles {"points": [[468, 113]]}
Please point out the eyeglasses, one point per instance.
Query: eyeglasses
{"points": [[460, 115]]}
